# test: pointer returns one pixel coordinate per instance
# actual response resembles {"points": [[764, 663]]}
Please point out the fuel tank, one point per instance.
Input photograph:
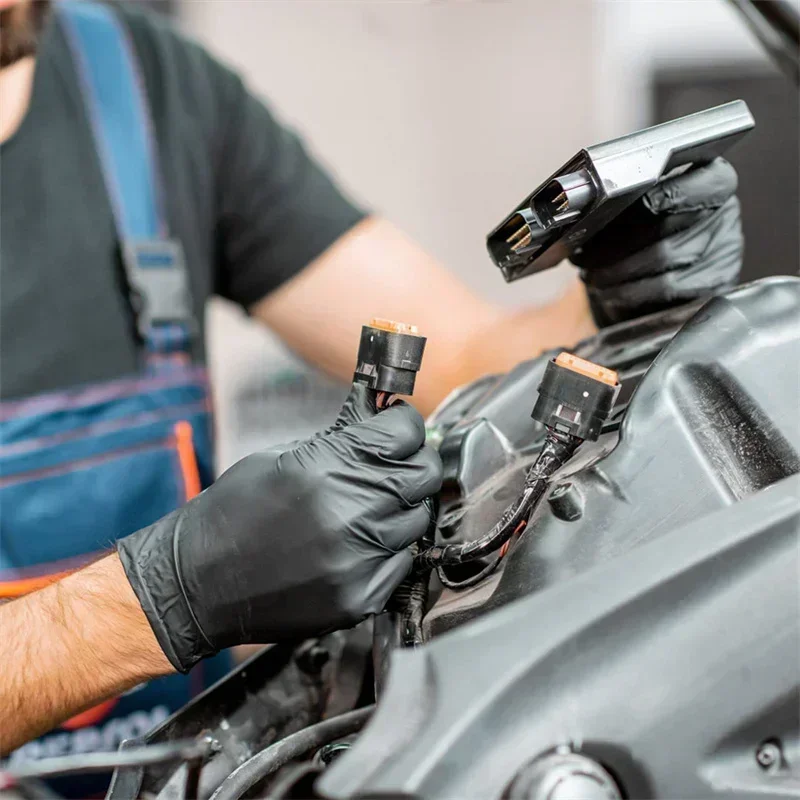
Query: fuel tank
{"points": [[705, 421]]}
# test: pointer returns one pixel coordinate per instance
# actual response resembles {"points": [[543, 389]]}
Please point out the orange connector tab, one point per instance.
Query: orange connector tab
{"points": [[587, 368], [394, 327]]}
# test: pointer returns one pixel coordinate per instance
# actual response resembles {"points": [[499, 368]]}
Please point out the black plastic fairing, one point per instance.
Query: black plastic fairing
{"points": [[668, 666], [714, 420]]}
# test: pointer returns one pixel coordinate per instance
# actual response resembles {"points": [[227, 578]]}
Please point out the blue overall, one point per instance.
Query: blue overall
{"points": [[84, 466]]}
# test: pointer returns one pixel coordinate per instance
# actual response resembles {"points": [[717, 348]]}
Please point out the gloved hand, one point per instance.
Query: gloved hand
{"points": [[359, 405], [682, 241], [291, 542]]}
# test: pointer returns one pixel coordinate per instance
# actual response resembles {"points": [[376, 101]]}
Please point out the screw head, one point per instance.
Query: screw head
{"points": [[566, 501], [769, 756]]}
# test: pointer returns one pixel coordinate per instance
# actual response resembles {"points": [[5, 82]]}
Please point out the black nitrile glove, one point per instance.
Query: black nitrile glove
{"points": [[291, 542], [360, 405], [682, 241]]}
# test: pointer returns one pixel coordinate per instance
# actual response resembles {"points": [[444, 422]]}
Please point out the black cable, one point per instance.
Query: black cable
{"points": [[556, 450], [449, 554], [414, 611], [576, 398], [266, 763], [473, 580], [184, 750], [410, 599]]}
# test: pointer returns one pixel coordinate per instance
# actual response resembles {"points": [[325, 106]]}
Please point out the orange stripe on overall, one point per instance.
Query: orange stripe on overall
{"points": [[187, 460]]}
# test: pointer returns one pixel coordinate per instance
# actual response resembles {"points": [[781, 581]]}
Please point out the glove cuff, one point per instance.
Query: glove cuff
{"points": [[148, 559]]}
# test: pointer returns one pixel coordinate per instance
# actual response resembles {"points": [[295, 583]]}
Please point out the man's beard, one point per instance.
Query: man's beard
{"points": [[20, 29]]}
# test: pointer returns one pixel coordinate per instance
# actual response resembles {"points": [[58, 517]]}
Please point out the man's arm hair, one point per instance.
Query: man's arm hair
{"points": [[70, 646], [376, 271]]}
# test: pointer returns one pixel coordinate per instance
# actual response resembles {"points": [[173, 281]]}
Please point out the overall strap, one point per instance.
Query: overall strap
{"points": [[119, 116]]}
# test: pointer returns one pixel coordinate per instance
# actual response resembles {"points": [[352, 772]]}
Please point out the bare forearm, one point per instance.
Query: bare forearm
{"points": [[69, 647], [521, 335], [375, 270]]}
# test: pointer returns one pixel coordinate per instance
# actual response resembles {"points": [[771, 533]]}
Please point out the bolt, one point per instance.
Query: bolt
{"points": [[769, 756], [566, 502], [312, 659], [210, 742], [330, 752]]}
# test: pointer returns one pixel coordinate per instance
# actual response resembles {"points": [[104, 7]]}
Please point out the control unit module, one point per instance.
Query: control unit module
{"points": [[600, 182]]}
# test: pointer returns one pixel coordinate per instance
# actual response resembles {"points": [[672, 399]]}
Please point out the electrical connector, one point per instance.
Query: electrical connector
{"points": [[576, 396], [389, 356], [575, 399]]}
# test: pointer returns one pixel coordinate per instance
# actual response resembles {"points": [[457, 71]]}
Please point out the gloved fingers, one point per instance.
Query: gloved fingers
{"points": [[675, 252], [678, 204], [701, 187], [394, 434], [635, 229], [358, 407], [386, 578], [715, 271], [429, 475], [415, 478], [407, 527], [672, 252], [650, 296]]}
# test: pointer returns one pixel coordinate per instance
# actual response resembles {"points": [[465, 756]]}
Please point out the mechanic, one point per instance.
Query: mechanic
{"points": [[139, 178]]}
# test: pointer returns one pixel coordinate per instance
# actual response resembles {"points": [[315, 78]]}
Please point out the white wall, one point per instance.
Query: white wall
{"points": [[641, 36]]}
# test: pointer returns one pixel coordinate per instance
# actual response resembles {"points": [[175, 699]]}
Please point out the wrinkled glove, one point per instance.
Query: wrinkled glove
{"points": [[682, 241], [360, 405], [291, 542]]}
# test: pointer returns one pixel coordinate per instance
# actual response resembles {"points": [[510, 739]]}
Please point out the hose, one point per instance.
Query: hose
{"points": [[146, 755], [267, 762], [557, 449]]}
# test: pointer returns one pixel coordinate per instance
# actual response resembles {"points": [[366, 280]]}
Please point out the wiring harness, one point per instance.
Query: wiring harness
{"points": [[576, 398]]}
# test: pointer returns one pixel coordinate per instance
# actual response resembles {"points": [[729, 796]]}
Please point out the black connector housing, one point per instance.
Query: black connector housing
{"points": [[389, 357], [574, 402], [600, 182]]}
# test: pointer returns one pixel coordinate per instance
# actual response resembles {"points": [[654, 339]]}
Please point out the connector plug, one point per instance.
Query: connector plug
{"points": [[576, 396], [389, 356]]}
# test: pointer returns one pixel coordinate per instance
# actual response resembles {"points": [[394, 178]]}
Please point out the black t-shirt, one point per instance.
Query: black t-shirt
{"points": [[249, 205]]}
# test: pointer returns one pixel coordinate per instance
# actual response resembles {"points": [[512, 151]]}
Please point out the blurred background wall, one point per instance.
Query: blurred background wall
{"points": [[441, 114], [666, 58]]}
